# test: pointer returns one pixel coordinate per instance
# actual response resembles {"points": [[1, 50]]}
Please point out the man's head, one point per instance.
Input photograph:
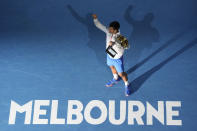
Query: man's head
{"points": [[114, 27]]}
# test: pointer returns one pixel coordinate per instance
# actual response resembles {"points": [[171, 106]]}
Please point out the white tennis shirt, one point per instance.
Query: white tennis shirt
{"points": [[110, 37]]}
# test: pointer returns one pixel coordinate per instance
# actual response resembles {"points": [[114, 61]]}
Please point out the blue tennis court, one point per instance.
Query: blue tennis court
{"points": [[51, 50]]}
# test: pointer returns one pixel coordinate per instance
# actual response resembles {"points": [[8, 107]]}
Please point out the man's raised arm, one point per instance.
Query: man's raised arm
{"points": [[98, 24]]}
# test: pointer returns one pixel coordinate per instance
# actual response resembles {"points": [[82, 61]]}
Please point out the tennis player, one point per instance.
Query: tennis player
{"points": [[115, 62]]}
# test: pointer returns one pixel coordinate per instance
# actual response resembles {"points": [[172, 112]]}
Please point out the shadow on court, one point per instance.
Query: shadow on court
{"points": [[143, 35], [138, 82], [168, 43], [96, 37]]}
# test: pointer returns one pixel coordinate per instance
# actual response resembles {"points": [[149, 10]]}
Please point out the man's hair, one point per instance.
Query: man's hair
{"points": [[115, 25]]}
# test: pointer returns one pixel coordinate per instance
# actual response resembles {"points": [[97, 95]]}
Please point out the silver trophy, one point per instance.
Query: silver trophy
{"points": [[122, 41]]}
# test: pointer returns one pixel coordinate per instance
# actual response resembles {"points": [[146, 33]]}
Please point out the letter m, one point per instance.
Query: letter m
{"points": [[27, 108]]}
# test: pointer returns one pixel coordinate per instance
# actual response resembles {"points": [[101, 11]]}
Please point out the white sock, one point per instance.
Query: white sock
{"points": [[126, 83], [115, 76]]}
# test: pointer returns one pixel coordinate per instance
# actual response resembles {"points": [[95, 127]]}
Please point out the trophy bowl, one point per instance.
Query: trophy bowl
{"points": [[122, 41]]}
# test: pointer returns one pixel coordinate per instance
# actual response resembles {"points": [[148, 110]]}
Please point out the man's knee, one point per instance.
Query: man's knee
{"points": [[112, 67], [122, 74]]}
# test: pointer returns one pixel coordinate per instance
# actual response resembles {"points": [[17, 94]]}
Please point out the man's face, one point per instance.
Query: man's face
{"points": [[111, 30]]}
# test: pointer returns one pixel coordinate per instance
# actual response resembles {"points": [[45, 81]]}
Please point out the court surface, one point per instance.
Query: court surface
{"points": [[54, 52]]}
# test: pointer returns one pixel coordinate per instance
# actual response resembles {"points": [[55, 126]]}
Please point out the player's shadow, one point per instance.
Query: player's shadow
{"points": [[165, 45], [96, 37], [138, 82], [142, 37]]}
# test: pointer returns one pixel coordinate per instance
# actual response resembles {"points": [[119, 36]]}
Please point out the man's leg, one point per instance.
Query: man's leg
{"points": [[115, 77], [124, 77], [120, 69], [114, 72]]}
